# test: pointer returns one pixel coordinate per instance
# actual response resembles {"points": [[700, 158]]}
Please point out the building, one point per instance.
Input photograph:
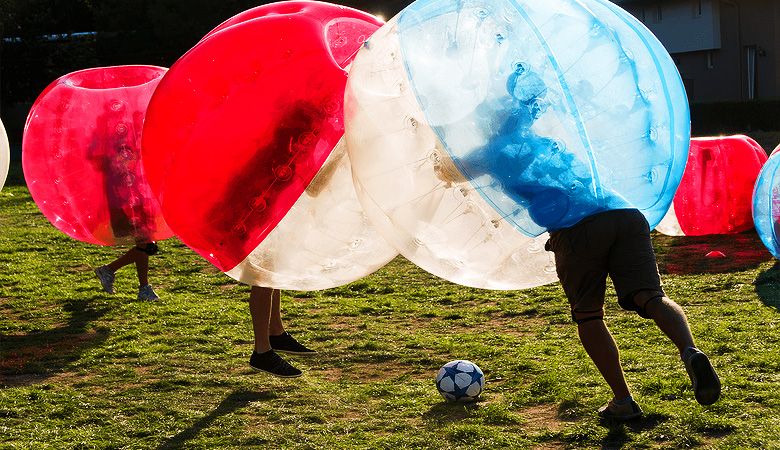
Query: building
{"points": [[726, 50]]}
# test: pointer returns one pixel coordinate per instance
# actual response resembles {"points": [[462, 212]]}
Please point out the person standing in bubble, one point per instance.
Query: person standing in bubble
{"points": [[270, 337], [129, 202], [593, 235]]}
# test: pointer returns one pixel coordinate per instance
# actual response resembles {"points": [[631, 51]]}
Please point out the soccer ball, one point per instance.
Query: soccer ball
{"points": [[460, 381]]}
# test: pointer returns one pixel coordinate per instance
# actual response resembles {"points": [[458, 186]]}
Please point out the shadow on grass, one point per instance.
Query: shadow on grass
{"points": [[231, 403], [618, 435], [768, 286], [687, 255], [449, 412], [33, 357]]}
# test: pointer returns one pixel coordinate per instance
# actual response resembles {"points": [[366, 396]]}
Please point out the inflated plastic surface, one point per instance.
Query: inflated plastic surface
{"points": [[766, 203], [497, 120], [716, 191], [253, 113], [5, 155], [81, 155]]}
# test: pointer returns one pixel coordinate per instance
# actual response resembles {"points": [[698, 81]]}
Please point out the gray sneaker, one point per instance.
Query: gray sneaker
{"points": [[106, 277], [620, 411], [147, 293]]}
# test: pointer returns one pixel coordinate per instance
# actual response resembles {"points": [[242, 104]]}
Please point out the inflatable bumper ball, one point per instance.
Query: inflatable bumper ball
{"points": [[766, 204], [714, 196], [5, 155], [474, 127], [243, 147], [81, 156]]}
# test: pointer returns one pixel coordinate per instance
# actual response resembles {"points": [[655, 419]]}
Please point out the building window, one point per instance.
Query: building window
{"points": [[710, 64]]}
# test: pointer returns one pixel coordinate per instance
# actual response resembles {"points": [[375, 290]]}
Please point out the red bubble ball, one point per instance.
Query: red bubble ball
{"points": [[250, 115], [716, 191], [81, 156]]}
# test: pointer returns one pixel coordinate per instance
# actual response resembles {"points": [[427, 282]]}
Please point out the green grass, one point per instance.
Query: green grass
{"points": [[82, 369]]}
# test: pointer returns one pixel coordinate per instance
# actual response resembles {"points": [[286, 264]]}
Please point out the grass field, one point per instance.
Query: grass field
{"points": [[83, 369]]}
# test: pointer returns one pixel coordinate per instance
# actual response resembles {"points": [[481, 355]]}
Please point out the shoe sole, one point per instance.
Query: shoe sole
{"points": [[631, 416], [621, 418], [275, 374], [291, 352], [707, 384]]}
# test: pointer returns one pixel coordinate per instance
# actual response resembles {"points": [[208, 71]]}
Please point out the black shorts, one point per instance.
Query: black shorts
{"points": [[615, 243], [150, 248]]}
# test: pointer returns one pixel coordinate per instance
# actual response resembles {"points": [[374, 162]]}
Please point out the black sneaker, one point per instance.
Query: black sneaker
{"points": [[706, 384], [285, 343], [274, 364]]}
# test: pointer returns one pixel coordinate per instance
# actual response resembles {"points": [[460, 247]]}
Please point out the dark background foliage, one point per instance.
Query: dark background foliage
{"points": [[45, 39]]}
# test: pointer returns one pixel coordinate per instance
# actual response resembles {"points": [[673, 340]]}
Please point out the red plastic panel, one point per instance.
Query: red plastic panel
{"points": [[715, 195], [241, 123], [81, 155]]}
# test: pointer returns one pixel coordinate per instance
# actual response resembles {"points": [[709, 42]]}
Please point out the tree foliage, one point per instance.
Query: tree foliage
{"points": [[120, 32]]}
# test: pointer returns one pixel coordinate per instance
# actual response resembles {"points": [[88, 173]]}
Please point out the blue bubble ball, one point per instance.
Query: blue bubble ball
{"points": [[533, 114], [766, 204]]}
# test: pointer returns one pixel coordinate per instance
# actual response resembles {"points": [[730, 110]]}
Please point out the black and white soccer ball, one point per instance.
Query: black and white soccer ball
{"points": [[460, 381]]}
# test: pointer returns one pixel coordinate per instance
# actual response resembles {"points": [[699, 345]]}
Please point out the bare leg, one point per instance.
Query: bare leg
{"points": [[130, 257], [137, 257], [602, 349], [670, 319], [260, 300], [142, 267], [276, 327]]}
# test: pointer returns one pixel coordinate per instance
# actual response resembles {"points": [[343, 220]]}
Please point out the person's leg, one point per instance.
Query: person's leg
{"points": [[634, 271], [263, 357], [142, 268], [581, 257], [581, 260], [106, 273], [128, 258], [145, 290], [668, 316], [602, 349], [260, 306], [280, 340], [276, 327], [671, 320]]}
